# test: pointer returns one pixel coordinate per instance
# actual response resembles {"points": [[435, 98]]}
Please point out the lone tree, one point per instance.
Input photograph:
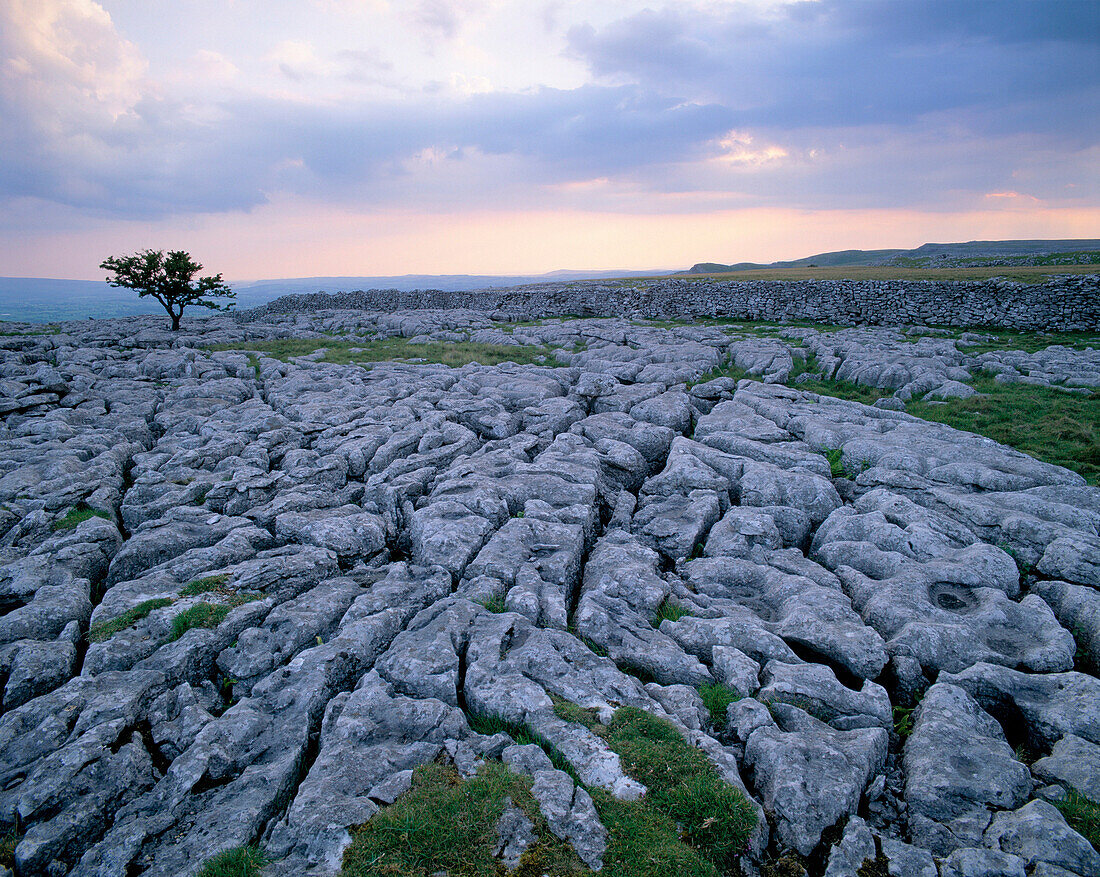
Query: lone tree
{"points": [[170, 280]]}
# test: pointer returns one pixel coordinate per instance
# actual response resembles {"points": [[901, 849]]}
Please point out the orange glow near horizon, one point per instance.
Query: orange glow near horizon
{"points": [[311, 240]]}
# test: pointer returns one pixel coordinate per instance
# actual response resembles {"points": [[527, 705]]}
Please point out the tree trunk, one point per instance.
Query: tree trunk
{"points": [[175, 320]]}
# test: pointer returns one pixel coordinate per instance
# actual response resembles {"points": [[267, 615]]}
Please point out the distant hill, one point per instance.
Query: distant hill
{"points": [[959, 255], [45, 300]]}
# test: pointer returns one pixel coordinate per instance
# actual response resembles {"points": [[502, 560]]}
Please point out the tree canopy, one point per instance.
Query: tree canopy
{"points": [[170, 279]]}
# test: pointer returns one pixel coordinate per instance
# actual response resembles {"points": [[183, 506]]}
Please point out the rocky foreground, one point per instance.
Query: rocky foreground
{"points": [[242, 598]]}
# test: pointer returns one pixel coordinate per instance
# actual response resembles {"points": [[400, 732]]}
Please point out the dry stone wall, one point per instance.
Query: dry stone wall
{"points": [[1062, 304]]}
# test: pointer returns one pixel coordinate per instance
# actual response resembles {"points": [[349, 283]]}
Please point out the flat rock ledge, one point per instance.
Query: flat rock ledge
{"points": [[242, 600]]}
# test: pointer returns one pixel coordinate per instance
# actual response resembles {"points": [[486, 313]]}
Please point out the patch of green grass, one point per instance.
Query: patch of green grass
{"points": [[835, 457], [669, 610], [729, 370], [663, 324], [238, 862], [452, 353], [769, 328], [574, 712], [447, 824], [690, 819], [1029, 342], [790, 864], [806, 365], [716, 698], [849, 390], [200, 615], [714, 817], [205, 585], [522, 734], [104, 630], [903, 721], [644, 842], [78, 514], [9, 840], [1051, 425], [1083, 815], [494, 604]]}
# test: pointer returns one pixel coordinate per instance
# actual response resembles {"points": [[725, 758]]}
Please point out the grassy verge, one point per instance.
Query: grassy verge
{"points": [[771, 328], [447, 824], [723, 371], [103, 631], [669, 610], [844, 390], [716, 698], [1046, 423], [78, 514], [207, 585], [454, 354], [690, 823], [239, 862], [9, 840], [1083, 815], [1029, 342], [1049, 424], [208, 614]]}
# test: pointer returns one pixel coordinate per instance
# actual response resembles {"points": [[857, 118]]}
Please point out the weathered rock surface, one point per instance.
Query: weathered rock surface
{"points": [[957, 766], [242, 600]]}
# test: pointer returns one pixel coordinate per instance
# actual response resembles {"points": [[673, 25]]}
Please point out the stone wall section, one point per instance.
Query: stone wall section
{"points": [[1065, 303]]}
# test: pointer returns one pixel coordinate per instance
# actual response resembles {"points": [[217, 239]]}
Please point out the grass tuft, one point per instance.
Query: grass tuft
{"points": [[835, 456], [879, 866], [200, 615], [806, 366], [690, 819], [77, 515], [574, 712], [104, 630], [523, 735], [669, 610], [716, 698], [238, 862], [494, 604], [714, 817], [9, 840], [790, 864], [447, 824], [205, 585], [1083, 815], [723, 371]]}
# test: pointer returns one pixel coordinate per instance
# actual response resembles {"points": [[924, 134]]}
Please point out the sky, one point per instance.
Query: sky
{"points": [[285, 138]]}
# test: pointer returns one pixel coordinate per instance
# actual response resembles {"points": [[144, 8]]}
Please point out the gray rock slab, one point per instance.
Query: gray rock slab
{"points": [[957, 766]]}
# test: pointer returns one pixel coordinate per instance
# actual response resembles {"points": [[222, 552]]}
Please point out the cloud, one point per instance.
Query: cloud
{"points": [[854, 62], [804, 105], [443, 17]]}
